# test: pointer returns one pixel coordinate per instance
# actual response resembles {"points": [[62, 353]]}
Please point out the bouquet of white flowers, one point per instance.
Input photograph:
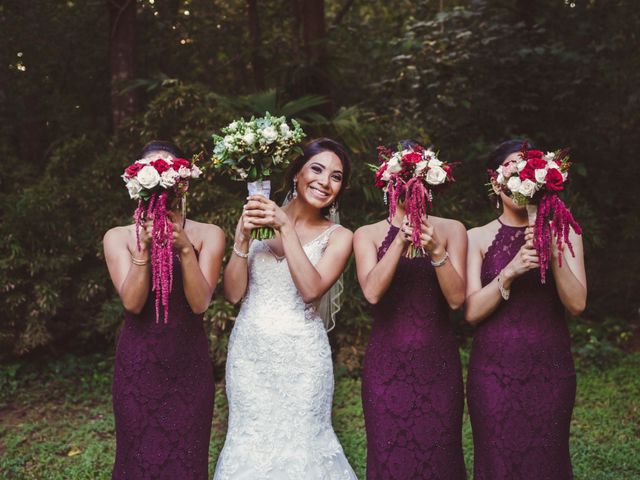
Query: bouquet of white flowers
{"points": [[252, 150]]}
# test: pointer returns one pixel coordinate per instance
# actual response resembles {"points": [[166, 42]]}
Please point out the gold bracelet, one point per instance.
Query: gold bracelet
{"points": [[504, 292], [239, 252], [140, 263]]}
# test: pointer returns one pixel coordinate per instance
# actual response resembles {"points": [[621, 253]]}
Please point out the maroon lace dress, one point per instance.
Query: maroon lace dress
{"points": [[163, 393], [521, 384], [412, 390]]}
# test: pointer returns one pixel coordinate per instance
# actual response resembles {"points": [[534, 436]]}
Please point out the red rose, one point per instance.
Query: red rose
{"points": [[132, 170], [180, 162], [412, 158], [379, 182], [528, 172], [554, 180], [160, 165], [535, 154]]}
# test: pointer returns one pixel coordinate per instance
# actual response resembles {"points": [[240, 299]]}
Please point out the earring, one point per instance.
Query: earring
{"points": [[497, 201], [183, 207], [333, 210], [294, 192]]}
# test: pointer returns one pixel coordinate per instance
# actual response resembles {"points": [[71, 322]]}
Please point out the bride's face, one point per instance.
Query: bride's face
{"points": [[320, 179]]}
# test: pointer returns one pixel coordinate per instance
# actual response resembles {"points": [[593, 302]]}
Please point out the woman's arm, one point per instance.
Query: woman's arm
{"points": [[452, 273], [571, 278], [200, 273], [236, 273], [482, 301], [375, 276], [130, 273]]}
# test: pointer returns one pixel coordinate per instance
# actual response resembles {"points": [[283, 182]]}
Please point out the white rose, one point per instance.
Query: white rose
{"points": [[513, 184], [394, 165], [233, 126], [436, 176], [520, 165], [269, 134], [541, 174], [169, 178], [527, 188], [134, 188], [184, 172], [420, 166], [228, 141], [386, 175], [148, 177], [195, 172], [434, 162], [249, 138], [145, 160], [284, 129], [549, 156], [500, 179]]}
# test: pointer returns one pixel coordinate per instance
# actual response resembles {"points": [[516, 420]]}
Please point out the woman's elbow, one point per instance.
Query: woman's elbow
{"points": [[133, 308], [577, 307], [456, 302]]}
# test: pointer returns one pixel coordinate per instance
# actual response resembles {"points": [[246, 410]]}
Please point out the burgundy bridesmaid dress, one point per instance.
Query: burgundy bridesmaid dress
{"points": [[163, 392], [521, 384], [412, 389]]}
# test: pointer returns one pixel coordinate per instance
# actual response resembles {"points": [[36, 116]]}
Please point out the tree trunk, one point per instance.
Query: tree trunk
{"points": [[254, 32], [122, 22], [314, 29]]}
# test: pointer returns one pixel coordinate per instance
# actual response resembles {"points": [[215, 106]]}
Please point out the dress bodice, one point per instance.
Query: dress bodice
{"points": [[271, 292], [527, 332]]}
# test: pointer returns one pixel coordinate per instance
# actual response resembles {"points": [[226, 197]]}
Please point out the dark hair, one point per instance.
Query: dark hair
{"points": [[502, 151], [406, 144], [313, 148], [164, 146]]}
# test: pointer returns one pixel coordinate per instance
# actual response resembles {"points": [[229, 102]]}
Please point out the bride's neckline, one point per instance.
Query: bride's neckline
{"points": [[280, 258]]}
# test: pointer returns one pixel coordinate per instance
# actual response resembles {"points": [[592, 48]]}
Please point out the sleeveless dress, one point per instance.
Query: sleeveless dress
{"points": [[521, 383], [163, 392], [412, 389], [279, 380]]}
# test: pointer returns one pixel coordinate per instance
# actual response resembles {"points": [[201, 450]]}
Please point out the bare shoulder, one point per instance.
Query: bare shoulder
{"points": [[371, 231], [481, 237], [448, 225], [343, 234], [118, 235]]}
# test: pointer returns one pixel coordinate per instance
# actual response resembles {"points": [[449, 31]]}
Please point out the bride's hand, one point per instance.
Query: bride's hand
{"points": [[262, 212]]}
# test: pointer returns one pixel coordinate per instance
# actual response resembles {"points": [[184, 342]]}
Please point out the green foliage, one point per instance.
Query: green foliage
{"points": [[460, 75]]}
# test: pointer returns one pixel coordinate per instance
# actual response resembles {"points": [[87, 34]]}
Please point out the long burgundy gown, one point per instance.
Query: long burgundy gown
{"points": [[521, 383], [412, 389], [163, 392]]}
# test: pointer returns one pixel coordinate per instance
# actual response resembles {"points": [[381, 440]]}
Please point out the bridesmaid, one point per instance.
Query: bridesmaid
{"points": [[521, 382], [412, 389], [163, 379]]}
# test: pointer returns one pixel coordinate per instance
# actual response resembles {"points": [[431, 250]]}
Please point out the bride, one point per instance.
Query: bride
{"points": [[279, 375]]}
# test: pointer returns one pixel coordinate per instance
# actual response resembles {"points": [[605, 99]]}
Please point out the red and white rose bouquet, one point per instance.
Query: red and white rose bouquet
{"points": [[534, 181], [411, 175], [154, 182]]}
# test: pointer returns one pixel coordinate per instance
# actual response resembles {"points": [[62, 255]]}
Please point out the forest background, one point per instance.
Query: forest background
{"points": [[85, 83]]}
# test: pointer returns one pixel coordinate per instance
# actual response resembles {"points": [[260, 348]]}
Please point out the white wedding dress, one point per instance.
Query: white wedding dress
{"points": [[279, 380]]}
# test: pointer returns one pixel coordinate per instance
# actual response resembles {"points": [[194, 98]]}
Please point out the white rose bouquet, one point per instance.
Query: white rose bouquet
{"points": [[152, 181], [252, 150], [411, 175], [534, 181]]}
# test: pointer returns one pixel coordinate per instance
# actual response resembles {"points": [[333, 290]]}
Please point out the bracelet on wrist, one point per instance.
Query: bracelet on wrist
{"points": [[139, 262], [239, 252], [442, 261], [504, 292]]}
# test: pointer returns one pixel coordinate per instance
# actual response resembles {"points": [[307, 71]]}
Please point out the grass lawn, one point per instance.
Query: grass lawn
{"points": [[56, 421]]}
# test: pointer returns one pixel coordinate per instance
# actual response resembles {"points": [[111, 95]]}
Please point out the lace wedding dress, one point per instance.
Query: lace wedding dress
{"points": [[279, 380]]}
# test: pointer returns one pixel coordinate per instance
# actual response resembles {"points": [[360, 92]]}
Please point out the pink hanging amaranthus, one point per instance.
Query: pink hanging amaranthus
{"points": [[534, 181], [411, 175], [154, 183]]}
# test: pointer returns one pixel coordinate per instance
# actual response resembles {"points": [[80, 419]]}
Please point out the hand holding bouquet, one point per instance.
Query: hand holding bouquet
{"points": [[154, 182], [252, 150], [411, 175], [534, 181]]}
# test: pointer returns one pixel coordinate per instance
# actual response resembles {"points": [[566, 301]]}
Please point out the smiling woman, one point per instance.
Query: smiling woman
{"points": [[279, 374]]}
